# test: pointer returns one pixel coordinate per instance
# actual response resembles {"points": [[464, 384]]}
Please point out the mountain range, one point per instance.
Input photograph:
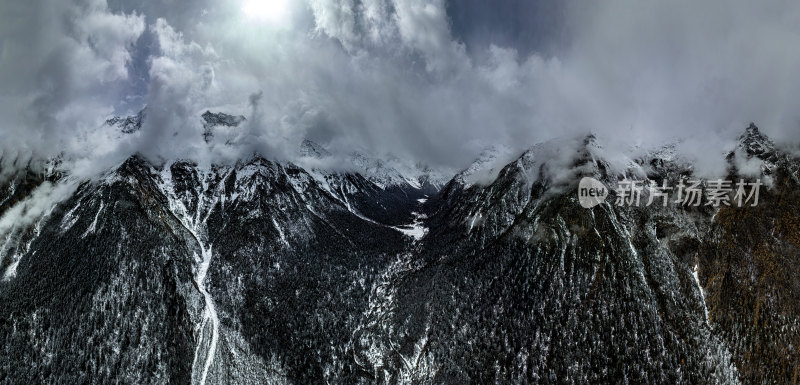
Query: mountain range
{"points": [[390, 272]]}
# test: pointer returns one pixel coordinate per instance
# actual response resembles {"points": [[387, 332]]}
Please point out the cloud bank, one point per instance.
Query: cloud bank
{"points": [[391, 76]]}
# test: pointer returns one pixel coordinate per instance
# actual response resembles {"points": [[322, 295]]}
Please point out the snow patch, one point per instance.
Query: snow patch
{"points": [[415, 229], [702, 293], [92, 227], [210, 313], [196, 224], [280, 232], [11, 272], [484, 170]]}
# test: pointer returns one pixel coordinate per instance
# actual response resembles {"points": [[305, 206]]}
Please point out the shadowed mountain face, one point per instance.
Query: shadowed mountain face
{"points": [[268, 272]]}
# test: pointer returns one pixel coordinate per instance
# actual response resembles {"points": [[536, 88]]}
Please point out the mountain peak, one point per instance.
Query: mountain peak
{"points": [[222, 119], [486, 166], [312, 149], [755, 143], [129, 124], [213, 120]]}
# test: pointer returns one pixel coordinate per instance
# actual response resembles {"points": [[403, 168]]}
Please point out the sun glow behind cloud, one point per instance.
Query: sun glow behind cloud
{"points": [[272, 11], [389, 75]]}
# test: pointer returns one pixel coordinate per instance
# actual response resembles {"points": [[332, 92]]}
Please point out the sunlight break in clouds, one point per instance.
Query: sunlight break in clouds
{"points": [[390, 75]]}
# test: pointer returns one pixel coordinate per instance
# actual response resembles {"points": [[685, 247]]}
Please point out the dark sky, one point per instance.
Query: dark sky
{"points": [[530, 26]]}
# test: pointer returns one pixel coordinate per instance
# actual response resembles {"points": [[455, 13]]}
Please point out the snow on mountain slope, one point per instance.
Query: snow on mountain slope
{"points": [[268, 271], [382, 190], [129, 124], [524, 256], [384, 172], [486, 167]]}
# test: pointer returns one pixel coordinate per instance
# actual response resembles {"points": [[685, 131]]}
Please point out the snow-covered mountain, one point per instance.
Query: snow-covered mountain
{"points": [[129, 124], [386, 191], [384, 172], [218, 123], [368, 270]]}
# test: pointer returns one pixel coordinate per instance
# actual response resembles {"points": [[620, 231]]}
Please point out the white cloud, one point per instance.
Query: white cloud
{"points": [[389, 75], [60, 64]]}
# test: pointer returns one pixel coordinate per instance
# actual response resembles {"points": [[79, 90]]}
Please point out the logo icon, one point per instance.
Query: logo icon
{"points": [[591, 192]]}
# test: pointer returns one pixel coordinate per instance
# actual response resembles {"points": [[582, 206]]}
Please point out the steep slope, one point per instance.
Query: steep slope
{"points": [[749, 266], [371, 187], [173, 273], [83, 308], [289, 260], [20, 190], [516, 283], [269, 272]]}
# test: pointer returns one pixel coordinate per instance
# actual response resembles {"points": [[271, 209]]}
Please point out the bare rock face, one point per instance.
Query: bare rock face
{"points": [[271, 272], [129, 124], [214, 120]]}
